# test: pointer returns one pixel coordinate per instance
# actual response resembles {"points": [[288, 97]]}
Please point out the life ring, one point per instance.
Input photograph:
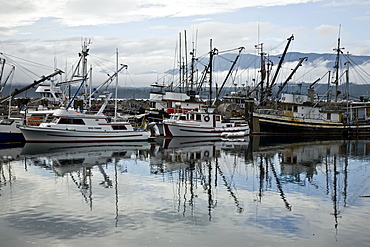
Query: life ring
{"points": [[206, 118], [206, 153]]}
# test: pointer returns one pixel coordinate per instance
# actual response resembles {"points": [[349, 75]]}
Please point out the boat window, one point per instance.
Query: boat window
{"points": [[119, 127], [199, 117], [191, 116], [182, 117], [78, 121], [63, 121], [295, 108], [328, 116], [71, 121], [6, 122]]}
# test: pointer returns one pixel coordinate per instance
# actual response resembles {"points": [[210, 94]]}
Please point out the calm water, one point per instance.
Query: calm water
{"points": [[186, 192]]}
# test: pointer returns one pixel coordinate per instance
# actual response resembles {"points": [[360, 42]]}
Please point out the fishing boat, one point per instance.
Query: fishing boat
{"points": [[296, 113], [70, 125], [8, 125], [201, 124], [9, 131], [339, 118]]}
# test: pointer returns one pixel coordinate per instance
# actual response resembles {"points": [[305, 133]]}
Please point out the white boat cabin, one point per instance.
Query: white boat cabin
{"points": [[203, 118], [53, 94], [80, 121]]}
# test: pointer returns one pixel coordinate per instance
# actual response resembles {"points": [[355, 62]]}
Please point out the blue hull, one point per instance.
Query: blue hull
{"points": [[11, 137]]}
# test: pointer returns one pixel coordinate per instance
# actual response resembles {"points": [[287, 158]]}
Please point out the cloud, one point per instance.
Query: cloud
{"points": [[95, 12], [339, 3]]}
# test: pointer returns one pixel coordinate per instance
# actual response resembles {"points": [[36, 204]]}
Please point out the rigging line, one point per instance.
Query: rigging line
{"points": [[358, 66], [225, 58], [236, 75], [314, 67], [102, 66], [22, 68], [22, 59], [360, 76], [283, 42], [229, 50], [240, 74]]}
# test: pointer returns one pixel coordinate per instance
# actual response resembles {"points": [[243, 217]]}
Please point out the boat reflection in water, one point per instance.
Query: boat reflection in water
{"points": [[296, 192], [194, 163], [77, 160], [335, 169], [9, 152], [320, 168], [186, 152]]}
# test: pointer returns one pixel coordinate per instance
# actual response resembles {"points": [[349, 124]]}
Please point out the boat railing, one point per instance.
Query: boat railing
{"points": [[317, 117]]}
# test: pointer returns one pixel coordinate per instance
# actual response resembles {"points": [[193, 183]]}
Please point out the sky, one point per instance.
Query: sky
{"points": [[41, 35]]}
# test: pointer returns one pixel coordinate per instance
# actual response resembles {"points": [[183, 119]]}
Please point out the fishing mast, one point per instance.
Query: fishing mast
{"points": [[336, 66]]}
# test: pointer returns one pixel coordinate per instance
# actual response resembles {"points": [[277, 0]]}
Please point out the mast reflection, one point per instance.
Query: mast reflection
{"points": [[77, 161], [209, 175], [9, 153], [196, 162], [304, 163]]}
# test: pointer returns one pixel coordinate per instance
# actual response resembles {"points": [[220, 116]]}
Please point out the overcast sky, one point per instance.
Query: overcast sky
{"points": [[146, 32]]}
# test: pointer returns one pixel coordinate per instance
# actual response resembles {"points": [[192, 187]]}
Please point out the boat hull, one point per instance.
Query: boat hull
{"points": [[38, 134], [9, 131], [11, 137], [183, 130], [267, 124]]}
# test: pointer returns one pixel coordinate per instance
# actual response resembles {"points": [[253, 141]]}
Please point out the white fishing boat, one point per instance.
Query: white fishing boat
{"points": [[201, 124], [69, 125]]}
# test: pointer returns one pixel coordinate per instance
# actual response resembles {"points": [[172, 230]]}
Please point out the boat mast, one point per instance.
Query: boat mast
{"points": [[210, 71], [90, 86], [11, 73], [263, 71], [336, 66], [192, 53], [180, 63], [193, 59], [115, 102], [2, 61], [347, 77], [186, 62]]}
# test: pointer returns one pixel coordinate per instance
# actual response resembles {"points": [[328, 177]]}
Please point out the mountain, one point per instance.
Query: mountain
{"points": [[223, 62], [253, 61]]}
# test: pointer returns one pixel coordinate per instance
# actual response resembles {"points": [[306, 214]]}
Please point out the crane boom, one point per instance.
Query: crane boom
{"points": [[290, 76], [109, 79], [230, 71], [281, 61], [43, 78]]}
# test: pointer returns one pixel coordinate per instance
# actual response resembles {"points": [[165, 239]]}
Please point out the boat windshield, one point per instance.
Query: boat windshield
{"points": [[177, 117], [6, 121], [55, 120]]}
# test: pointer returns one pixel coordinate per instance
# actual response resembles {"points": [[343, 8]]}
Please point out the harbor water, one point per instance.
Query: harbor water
{"points": [[252, 191]]}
